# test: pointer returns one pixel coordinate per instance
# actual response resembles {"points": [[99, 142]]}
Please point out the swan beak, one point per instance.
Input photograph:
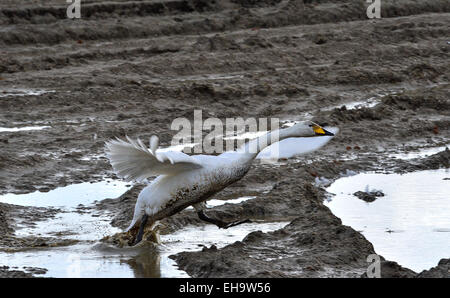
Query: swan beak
{"points": [[319, 131]]}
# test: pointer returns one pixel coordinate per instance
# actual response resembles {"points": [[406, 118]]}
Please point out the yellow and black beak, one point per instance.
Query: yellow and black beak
{"points": [[320, 131]]}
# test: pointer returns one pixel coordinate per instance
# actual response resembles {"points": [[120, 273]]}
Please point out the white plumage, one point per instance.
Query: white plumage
{"points": [[185, 180], [132, 160]]}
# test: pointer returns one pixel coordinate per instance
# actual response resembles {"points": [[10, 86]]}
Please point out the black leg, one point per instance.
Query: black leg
{"points": [[221, 224], [141, 229]]}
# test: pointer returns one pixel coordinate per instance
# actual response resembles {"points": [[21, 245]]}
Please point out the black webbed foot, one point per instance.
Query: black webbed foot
{"points": [[140, 234], [220, 223], [234, 223]]}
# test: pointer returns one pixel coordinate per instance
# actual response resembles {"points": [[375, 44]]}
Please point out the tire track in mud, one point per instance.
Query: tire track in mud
{"points": [[196, 17], [300, 47], [114, 9], [107, 9]]}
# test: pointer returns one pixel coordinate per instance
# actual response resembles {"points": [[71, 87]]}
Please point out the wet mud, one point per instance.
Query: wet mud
{"points": [[131, 67]]}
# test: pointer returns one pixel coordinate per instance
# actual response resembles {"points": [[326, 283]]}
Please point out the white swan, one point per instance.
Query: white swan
{"points": [[185, 180]]}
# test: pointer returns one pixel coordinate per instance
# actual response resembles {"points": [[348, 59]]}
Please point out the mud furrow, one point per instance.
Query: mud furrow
{"points": [[275, 41], [203, 21], [108, 9]]}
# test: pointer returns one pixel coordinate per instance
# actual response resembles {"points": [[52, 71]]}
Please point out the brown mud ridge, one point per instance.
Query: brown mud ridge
{"points": [[131, 67]]}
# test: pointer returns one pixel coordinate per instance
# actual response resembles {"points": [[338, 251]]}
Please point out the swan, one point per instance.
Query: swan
{"points": [[188, 180]]}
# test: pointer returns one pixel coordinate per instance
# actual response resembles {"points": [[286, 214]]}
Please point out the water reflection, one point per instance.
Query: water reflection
{"points": [[146, 264], [89, 258], [409, 224]]}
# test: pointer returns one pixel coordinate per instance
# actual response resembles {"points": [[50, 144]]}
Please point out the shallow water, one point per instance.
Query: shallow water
{"points": [[69, 196], [214, 203], [25, 128], [354, 105], [209, 77], [88, 257], [195, 238], [364, 103], [409, 225], [23, 92], [420, 153]]}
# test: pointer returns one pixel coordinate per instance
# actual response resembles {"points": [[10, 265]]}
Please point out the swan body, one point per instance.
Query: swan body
{"points": [[169, 194], [185, 180]]}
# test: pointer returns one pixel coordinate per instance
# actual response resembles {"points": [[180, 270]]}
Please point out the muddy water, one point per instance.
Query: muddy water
{"points": [[363, 103], [69, 196], [72, 223], [23, 92], [88, 257], [420, 153], [409, 225], [25, 128], [195, 238], [214, 203]]}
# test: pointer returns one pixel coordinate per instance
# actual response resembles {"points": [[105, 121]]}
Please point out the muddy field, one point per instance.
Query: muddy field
{"points": [[131, 67]]}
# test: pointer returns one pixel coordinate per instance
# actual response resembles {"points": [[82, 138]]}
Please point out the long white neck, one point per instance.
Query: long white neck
{"points": [[252, 148]]}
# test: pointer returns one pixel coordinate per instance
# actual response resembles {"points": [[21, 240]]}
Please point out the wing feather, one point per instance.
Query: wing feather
{"points": [[132, 160]]}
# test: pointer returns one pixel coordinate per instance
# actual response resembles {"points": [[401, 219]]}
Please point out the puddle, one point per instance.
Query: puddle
{"points": [[421, 153], [368, 103], [69, 196], [25, 128], [365, 103], [209, 77], [73, 222], [88, 257], [194, 238], [72, 225], [214, 203], [90, 260], [71, 261], [409, 225], [23, 92], [90, 157]]}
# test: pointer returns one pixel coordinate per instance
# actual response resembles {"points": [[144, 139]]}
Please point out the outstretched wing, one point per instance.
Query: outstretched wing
{"points": [[132, 160]]}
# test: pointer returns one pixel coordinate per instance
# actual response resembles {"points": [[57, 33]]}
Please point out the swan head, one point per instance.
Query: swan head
{"points": [[308, 129]]}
